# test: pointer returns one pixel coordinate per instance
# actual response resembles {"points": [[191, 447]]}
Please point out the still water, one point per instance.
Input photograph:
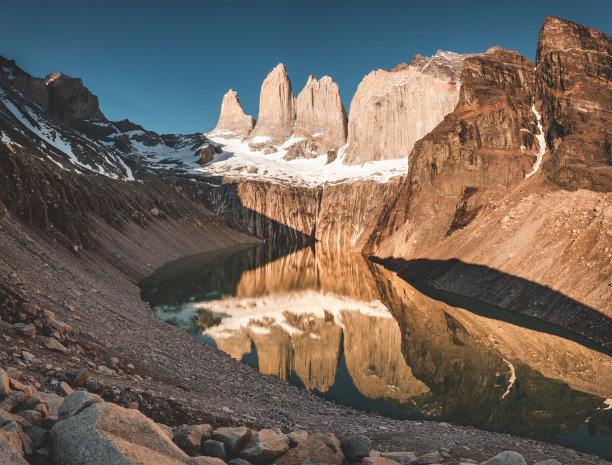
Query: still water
{"points": [[352, 331]]}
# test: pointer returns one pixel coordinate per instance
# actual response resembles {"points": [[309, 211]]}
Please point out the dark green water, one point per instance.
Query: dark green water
{"points": [[354, 332]]}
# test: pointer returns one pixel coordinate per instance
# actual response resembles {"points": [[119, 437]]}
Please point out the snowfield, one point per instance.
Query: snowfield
{"points": [[239, 160]]}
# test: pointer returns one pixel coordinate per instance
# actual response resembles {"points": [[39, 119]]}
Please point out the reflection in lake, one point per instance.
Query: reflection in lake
{"points": [[353, 331]]}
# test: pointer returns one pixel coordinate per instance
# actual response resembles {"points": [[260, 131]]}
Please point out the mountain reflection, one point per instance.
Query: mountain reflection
{"points": [[352, 330]]}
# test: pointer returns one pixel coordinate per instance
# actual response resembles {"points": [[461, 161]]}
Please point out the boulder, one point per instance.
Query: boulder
{"points": [[24, 329], [8, 455], [17, 438], [356, 447], [234, 438], [80, 377], [378, 460], [5, 389], [404, 458], [508, 457], [264, 446], [190, 437], [105, 433], [214, 448], [315, 448], [207, 153], [76, 402], [295, 437], [428, 459]]}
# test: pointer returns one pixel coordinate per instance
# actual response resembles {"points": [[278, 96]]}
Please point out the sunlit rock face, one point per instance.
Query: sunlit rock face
{"points": [[232, 120], [394, 108], [574, 69], [277, 107], [320, 118]]}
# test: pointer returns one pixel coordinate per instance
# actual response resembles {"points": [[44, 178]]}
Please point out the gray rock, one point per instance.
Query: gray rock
{"points": [[8, 455], [508, 457], [427, 459], [234, 438], [76, 402], [53, 401], [40, 437], [17, 438], [214, 448], [5, 388], [12, 401], [264, 446], [105, 433], [295, 437], [356, 447], [190, 437], [316, 448], [239, 461], [404, 458], [549, 462], [378, 460], [41, 456]]}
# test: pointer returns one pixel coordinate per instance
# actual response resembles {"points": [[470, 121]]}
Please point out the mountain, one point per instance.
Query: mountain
{"points": [[232, 120]]}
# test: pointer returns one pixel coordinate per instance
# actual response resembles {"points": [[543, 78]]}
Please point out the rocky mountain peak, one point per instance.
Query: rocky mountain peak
{"points": [[232, 118], [70, 101], [394, 108], [319, 111], [276, 107]]}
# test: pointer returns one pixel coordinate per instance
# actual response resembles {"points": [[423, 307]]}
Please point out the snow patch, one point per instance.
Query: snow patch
{"points": [[512, 378], [541, 138], [260, 139]]}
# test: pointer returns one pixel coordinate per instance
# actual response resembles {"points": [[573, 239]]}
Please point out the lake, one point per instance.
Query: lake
{"points": [[351, 330]]}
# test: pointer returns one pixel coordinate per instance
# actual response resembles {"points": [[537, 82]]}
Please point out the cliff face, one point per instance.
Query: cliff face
{"points": [[276, 108], [574, 81], [320, 114], [481, 149], [393, 109], [232, 119]]}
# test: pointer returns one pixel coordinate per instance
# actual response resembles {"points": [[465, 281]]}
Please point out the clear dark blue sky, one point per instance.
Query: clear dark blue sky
{"points": [[167, 64]]}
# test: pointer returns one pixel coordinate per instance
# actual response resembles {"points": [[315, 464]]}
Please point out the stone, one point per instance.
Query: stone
{"points": [[356, 447], [214, 448], [404, 458], [232, 119], [40, 437], [276, 108], [53, 402], [105, 433], [27, 356], [189, 437], [24, 329], [8, 455], [207, 153], [75, 402], [234, 438], [264, 446], [64, 388], [34, 417], [17, 438], [549, 462], [428, 459], [80, 377], [5, 389], [239, 461], [316, 448], [53, 345], [295, 437], [378, 460], [41, 456], [12, 401], [508, 457]]}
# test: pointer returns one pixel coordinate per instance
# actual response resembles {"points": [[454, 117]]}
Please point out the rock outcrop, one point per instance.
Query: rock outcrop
{"points": [[320, 113], [71, 101], [392, 109], [483, 147], [276, 108], [233, 120], [574, 81]]}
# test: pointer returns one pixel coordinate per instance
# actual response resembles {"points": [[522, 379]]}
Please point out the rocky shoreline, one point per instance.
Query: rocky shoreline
{"points": [[161, 371]]}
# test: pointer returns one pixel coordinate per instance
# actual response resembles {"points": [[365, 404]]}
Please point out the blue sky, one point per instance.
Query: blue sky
{"points": [[167, 64]]}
